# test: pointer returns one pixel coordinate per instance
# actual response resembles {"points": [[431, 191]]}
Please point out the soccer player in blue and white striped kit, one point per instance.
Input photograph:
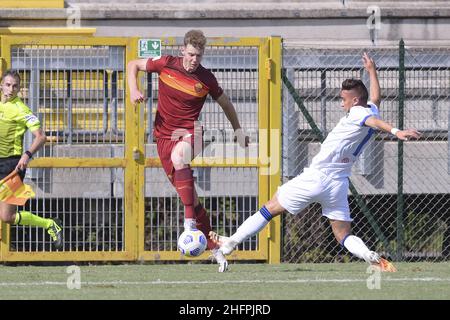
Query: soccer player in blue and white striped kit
{"points": [[326, 179]]}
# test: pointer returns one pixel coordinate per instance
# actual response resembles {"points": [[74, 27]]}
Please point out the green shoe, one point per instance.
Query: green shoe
{"points": [[55, 232]]}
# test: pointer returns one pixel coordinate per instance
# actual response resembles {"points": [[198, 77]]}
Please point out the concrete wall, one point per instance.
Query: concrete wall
{"points": [[306, 21]]}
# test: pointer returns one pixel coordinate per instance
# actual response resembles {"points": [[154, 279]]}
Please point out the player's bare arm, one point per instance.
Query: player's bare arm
{"points": [[133, 68], [38, 143], [231, 115], [379, 124], [369, 65]]}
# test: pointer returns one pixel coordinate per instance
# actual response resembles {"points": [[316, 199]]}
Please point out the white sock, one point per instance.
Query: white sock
{"points": [[252, 225], [189, 224], [356, 246]]}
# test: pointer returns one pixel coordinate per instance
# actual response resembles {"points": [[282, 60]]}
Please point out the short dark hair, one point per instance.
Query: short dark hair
{"points": [[12, 73], [358, 86], [196, 38]]}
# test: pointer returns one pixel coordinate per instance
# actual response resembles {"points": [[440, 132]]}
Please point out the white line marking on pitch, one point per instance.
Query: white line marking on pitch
{"points": [[159, 282]]}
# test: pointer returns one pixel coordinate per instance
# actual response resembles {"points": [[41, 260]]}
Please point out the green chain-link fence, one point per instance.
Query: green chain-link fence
{"points": [[399, 195]]}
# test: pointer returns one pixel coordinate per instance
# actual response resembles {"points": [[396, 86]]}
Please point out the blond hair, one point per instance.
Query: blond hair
{"points": [[195, 38]]}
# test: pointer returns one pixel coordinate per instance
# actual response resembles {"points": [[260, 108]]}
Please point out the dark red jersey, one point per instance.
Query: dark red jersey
{"points": [[181, 94]]}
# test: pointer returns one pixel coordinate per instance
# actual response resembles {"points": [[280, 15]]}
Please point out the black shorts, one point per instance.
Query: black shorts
{"points": [[7, 165]]}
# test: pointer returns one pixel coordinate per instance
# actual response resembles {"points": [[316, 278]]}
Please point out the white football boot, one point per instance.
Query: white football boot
{"points": [[376, 260], [372, 257], [221, 260]]}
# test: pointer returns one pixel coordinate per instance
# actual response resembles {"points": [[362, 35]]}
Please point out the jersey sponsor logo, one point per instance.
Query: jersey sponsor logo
{"points": [[31, 119]]}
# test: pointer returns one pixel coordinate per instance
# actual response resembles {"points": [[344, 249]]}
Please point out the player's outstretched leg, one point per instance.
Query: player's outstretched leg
{"points": [[358, 248], [251, 226], [53, 226], [55, 232], [204, 226]]}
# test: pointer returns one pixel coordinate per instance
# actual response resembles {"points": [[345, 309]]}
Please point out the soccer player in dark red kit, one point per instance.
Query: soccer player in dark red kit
{"points": [[183, 87]]}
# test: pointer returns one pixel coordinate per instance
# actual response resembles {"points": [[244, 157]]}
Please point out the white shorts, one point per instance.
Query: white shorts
{"points": [[314, 186]]}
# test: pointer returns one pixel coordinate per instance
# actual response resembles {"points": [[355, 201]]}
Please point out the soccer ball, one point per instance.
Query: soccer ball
{"points": [[192, 243]]}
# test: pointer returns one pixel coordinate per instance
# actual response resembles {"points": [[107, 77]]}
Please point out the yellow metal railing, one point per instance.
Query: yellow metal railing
{"points": [[17, 31], [32, 4]]}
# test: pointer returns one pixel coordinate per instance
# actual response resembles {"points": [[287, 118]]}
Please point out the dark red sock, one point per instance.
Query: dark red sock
{"points": [[203, 224], [184, 184]]}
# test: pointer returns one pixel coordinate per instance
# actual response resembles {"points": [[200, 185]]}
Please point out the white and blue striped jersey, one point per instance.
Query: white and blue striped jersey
{"points": [[345, 142]]}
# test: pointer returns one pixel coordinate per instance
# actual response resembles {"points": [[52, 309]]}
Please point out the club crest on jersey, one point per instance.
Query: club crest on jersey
{"points": [[345, 160], [198, 87]]}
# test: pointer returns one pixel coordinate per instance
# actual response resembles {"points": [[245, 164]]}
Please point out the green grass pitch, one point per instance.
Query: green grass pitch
{"points": [[243, 282]]}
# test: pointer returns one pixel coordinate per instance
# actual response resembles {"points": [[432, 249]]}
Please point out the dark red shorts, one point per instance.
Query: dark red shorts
{"points": [[165, 147]]}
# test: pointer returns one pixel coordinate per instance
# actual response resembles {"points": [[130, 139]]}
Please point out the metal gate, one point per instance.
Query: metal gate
{"points": [[99, 172]]}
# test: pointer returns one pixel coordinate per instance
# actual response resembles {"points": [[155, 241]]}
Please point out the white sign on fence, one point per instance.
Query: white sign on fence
{"points": [[149, 48]]}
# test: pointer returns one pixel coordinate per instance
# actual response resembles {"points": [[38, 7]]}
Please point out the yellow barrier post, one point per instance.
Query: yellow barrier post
{"points": [[275, 142], [134, 172], [4, 58], [264, 137]]}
